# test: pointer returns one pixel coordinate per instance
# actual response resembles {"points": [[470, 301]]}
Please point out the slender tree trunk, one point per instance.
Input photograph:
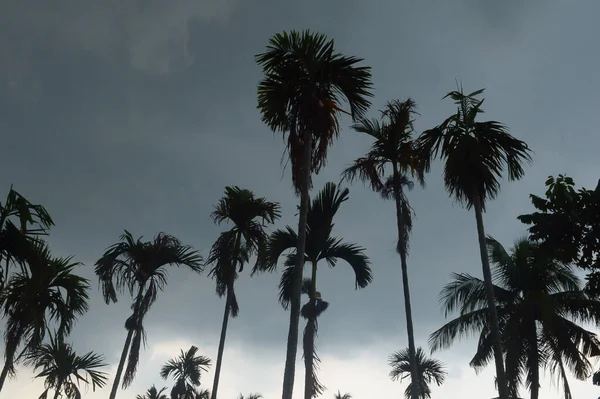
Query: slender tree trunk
{"points": [[412, 353], [136, 307], [213, 394], [309, 341], [489, 290], [7, 366], [292, 342]]}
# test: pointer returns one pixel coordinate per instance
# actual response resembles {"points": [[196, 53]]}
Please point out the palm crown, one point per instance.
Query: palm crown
{"points": [[186, 369], [539, 302], [429, 370], [474, 153], [46, 292], [140, 268], [305, 82], [64, 370], [153, 393]]}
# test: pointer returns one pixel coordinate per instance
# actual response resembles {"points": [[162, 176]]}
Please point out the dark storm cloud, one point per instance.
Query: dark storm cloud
{"points": [[128, 116]]}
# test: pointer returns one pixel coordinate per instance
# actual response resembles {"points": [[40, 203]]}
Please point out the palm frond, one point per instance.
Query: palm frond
{"points": [[352, 254]]}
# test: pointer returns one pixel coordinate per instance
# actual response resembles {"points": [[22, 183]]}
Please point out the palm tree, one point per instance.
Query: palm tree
{"points": [[475, 155], [202, 394], [45, 293], [300, 95], [140, 268], [233, 248], [186, 370], [539, 303], [153, 393], [251, 396], [15, 240], [393, 148], [430, 371], [320, 245], [338, 395], [63, 369]]}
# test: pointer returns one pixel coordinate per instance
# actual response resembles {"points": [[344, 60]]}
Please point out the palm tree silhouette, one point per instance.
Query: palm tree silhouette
{"points": [[140, 268], [393, 148], [475, 155], [234, 247], [429, 371], [63, 370], [153, 393], [539, 301], [186, 369], [300, 95], [43, 293], [320, 245]]}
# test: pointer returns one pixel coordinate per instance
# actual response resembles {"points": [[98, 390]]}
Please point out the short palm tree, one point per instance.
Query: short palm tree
{"points": [[300, 95], [20, 220], [475, 155], [251, 396], [201, 394], [338, 395], [186, 369], [140, 268], [153, 393], [539, 302], [248, 215], [45, 293], [320, 245], [430, 371], [393, 150], [63, 370]]}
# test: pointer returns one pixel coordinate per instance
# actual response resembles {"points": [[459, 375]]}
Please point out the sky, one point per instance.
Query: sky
{"points": [[127, 114]]}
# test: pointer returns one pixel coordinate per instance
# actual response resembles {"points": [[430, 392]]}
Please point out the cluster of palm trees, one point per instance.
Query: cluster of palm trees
{"points": [[527, 310]]}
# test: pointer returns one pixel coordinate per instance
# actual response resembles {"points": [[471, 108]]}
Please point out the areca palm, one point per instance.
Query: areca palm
{"points": [[339, 395], [475, 155], [430, 371], [300, 95], [186, 369], [153, 393], [20, 221], [320, 245], [45, 293], [539, 303], [249, 216], [63, 370], [393, 149], [251, 396], [140, 268]]}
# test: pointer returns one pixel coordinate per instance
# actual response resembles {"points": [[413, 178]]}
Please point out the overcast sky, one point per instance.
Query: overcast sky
{"points": [[126, 114]]}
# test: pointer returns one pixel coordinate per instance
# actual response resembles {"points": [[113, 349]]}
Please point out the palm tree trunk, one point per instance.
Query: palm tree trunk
{"points": [[489, 290], [309, 341], [7, 365], [213, 394], [292, 341], [414, 371], [115, 386]]}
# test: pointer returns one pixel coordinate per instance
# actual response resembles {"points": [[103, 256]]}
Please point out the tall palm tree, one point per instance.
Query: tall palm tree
{"points": [[539, 303], [475, 155], [20, 220], [140, 268], [63, 370], [186, 369], [249, 216], [45, 293], [320, 245], [430, 371], [393, 148], [304, 84], [153, 393], [338, 395]]}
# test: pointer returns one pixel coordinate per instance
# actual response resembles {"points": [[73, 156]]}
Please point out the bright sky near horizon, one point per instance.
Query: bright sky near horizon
{"points": [[119, 115]]}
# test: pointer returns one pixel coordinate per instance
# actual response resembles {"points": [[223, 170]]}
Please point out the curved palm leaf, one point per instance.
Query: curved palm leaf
{"points": [[430, 371], [338, 395], [153, 393]]}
